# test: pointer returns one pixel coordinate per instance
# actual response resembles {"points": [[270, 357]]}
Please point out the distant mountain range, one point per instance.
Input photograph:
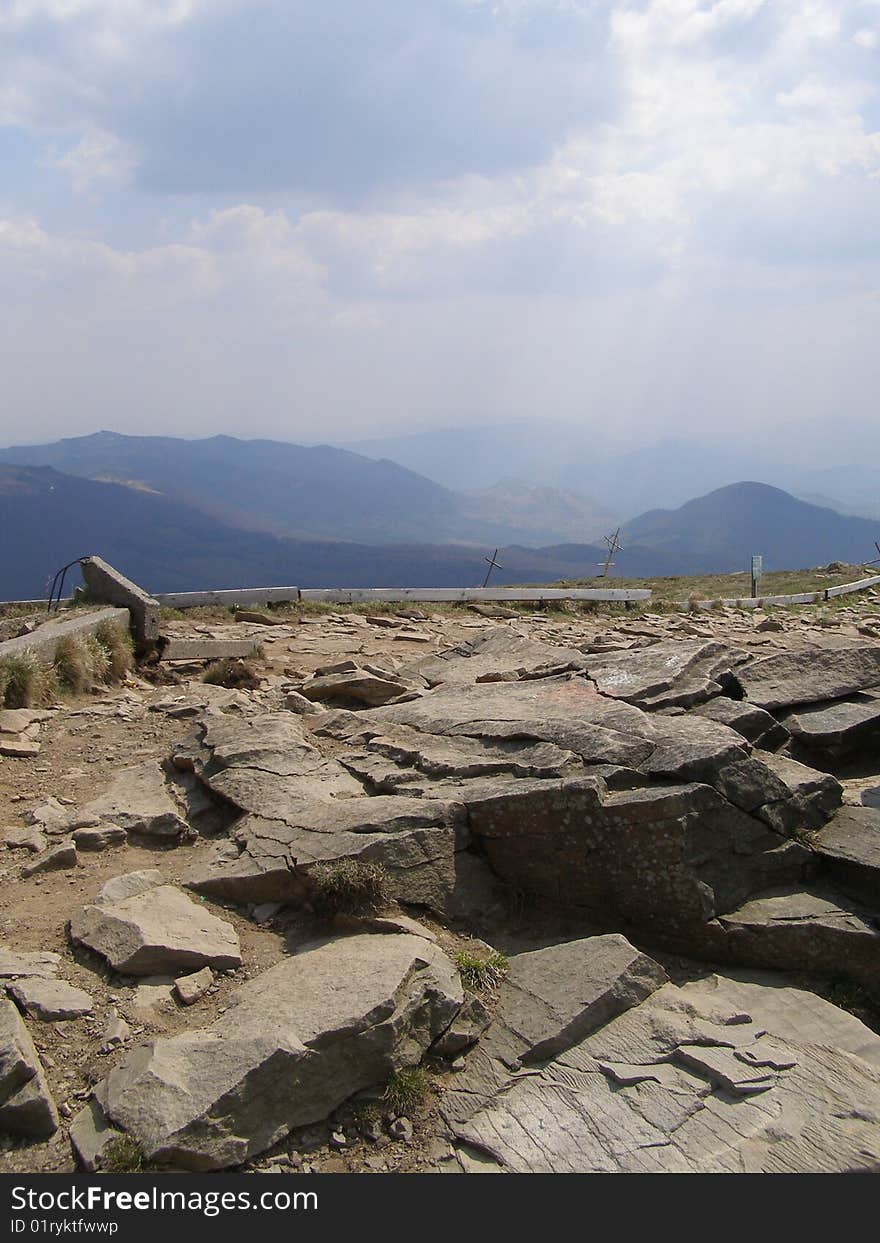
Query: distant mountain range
{"points": [[719, 532], [318, 492], [48, 518], [584, 459]]}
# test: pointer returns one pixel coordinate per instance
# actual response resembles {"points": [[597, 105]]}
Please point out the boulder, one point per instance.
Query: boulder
{"points": [[353, 682], [416, 841], [154, 929], [789, 678], [299, 1040], [553, 998]]}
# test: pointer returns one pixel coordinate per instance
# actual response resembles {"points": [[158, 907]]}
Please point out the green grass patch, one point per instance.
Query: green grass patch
{"points": [[481, 974], [123, 1155], [407, 1089]]}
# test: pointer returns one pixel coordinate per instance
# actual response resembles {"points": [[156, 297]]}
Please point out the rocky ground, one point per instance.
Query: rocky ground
{"points": [[668, 824]]}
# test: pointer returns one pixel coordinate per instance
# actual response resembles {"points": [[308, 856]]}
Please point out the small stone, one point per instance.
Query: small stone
{"points": [[190, 988], [458, 1065], [61, 856], [338, 1140], [371, 1130], [266, 911], [100, 838], [24, 839], [402, 1129], [115, 1034], [294, 1159]]}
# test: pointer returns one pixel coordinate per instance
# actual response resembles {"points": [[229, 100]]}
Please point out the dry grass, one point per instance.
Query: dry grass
{"points": [[348, 887], [26, 682], [119, 649]]}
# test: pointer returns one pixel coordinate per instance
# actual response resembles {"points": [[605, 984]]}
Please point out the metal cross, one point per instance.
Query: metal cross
{"points": [[614, 545], [493, 565]]}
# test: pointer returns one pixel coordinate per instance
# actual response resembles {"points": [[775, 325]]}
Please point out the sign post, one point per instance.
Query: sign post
{"points": [[757, 571]]}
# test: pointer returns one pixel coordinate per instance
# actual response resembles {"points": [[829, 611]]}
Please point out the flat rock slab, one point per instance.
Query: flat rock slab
{"points": [[14, 964], [18, 746], [674, 673], [553, 998], [356, 683], [754, 723], [139, 800], [850, 845], [706, 1078], [299, 1040], [17, 720], [208, 649], [191, 988], [155, 930], [499, 655], [838, 728], [50, 1000], [26, 1105], [416, 841], [790, 678], [800, 929]]}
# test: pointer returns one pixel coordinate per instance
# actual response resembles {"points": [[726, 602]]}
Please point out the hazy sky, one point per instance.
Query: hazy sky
{"points": [[319, 219]]}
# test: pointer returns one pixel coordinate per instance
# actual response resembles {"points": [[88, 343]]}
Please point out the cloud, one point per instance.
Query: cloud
{"points": [[375, 211]]}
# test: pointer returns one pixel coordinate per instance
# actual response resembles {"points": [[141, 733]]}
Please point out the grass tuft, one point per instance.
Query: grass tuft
{"points": [[123, 1155], [481, 975], [407, 1089], [26, 681], [348, 887], [118, 650]]}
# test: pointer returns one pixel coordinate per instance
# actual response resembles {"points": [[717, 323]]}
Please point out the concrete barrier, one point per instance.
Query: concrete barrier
{"points": [[45, 638], [103, 582], [243, 597], [365, 595]]}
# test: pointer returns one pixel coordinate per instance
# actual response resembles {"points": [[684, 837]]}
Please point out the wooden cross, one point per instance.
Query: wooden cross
{"points": [[493, 565], [614, 545]]}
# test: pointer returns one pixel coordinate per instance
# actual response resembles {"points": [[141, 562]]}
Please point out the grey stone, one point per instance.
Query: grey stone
{"points": [[191, 988], [90, 1133], [465, 1029], [139, 800], [115, 1033], [25, 839], [354, 683], [801, 929], [714, 1076], [17, 720], [55, 859], [26, 1105], [850, 845], [552, 998], [839, 728], [101, 837], [13, 964], [17, 746], [294, 702], [673, 673], [789, 678], [300, 1039], [498, 655], [50, 1000], [755, 724], [155, 930], [208, 649]]}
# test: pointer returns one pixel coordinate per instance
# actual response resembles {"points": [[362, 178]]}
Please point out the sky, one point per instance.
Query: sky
{"points": [[321, 222]]}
